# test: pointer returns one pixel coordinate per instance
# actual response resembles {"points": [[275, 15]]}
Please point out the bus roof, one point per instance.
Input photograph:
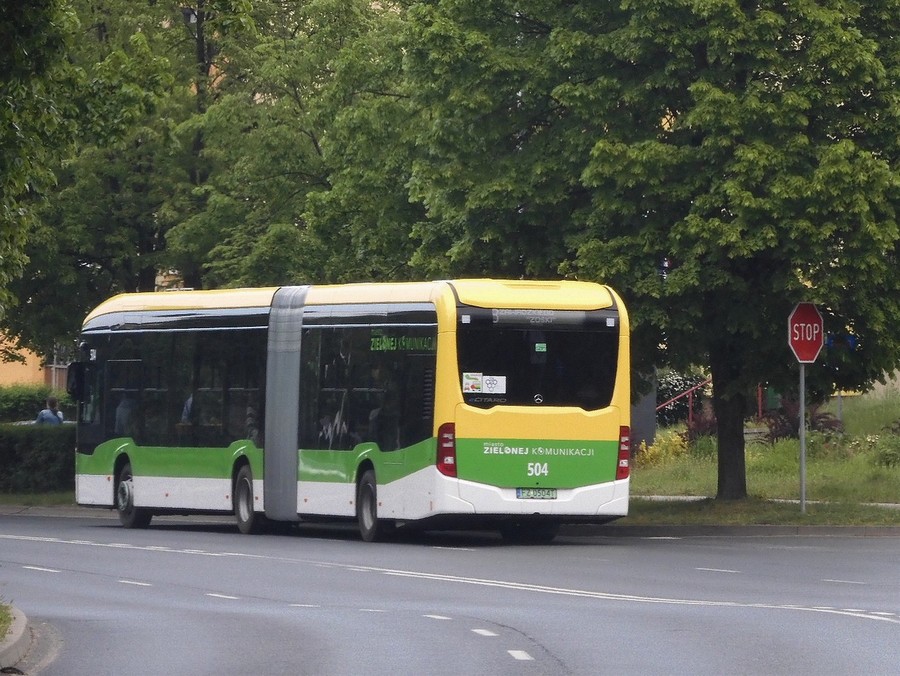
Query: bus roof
{"points": [[488, 293]]}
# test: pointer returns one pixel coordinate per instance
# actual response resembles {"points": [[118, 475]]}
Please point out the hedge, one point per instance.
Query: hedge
{"points": [[37, 458], [24, 402]]}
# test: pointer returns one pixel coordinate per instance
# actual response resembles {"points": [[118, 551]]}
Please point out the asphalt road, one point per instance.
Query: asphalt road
{"points": [[193, 596]]}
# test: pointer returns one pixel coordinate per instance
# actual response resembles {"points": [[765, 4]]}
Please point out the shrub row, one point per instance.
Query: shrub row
{"points": [[37, 458], [23, 402]]}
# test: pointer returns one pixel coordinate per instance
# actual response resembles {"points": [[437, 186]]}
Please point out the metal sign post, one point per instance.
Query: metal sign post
{"points": [[805, 338]]}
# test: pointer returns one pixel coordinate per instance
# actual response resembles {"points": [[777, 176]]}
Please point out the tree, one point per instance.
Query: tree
{"points": [[98, 230], [306, 166], [33, 128], [717, 162]]}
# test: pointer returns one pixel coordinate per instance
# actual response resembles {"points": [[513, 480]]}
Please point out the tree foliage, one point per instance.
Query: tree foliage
{"points": [[33, 126], [717, 161]]}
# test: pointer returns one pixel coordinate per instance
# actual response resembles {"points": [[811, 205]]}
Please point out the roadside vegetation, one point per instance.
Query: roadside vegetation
{"points": [[5, 619], [849, 473]]}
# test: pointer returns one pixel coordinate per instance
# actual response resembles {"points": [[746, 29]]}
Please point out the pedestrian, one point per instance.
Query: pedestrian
{"points": [[50, 415]]}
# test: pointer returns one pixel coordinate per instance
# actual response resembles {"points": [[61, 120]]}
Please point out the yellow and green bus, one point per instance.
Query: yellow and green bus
{"points": [[478, 403]]}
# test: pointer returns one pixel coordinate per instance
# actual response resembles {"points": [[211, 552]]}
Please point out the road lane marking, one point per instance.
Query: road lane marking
{"points": [[41, 569], [484, 632], [718, 570], [372, 610], [136, 584], [437, 617], [496, 583], [223, 596], [305, 605], [520, 655], [844, 581]]}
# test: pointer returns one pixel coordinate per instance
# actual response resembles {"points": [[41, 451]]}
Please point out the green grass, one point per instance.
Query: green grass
{"points": [[756, 511], [38, 499], [5, 619], [869, 413], [846, 474]]}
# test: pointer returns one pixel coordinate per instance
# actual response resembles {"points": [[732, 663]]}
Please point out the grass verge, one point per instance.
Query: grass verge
{"points": [[755, 511], [38, 499], [5, 619]]}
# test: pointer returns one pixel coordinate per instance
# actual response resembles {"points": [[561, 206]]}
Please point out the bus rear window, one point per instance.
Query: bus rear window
{"points": [[547, 363]]}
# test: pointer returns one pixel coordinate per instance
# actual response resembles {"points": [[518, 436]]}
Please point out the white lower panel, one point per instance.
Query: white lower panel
{"points": [[201, 494], [165, 492], [608, 499], [327, 499], [428, 493], [94, 489]]}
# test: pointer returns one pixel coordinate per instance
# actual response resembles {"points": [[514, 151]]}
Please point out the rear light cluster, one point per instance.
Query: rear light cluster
{"points": [[446, 452], [623, 469]]}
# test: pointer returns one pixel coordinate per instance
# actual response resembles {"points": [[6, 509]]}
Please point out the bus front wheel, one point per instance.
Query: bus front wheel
{"points": [[370, 528], [248, 521], [129, 515]]}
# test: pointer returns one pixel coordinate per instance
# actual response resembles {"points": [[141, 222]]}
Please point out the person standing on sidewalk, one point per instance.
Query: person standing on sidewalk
{"points": [[50, 415]]}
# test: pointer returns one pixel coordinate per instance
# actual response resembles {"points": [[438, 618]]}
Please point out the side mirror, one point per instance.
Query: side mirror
{"points": [[75, 380]]}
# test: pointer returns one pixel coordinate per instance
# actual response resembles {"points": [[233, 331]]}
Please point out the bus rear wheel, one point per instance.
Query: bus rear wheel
{"points": [[129, 515], [248, 521], [370, 528]]}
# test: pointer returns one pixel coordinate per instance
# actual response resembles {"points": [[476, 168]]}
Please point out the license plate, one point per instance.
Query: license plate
{"points": [[536, 493]]}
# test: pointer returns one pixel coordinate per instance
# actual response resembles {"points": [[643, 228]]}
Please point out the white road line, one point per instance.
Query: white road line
{"points": [[41, 569], [437, 617], [136, 584], [891, 618], [844, 581], [372, 610], [223, 596], [520, 655], [305, 605], [484, 632], [718, 570]]}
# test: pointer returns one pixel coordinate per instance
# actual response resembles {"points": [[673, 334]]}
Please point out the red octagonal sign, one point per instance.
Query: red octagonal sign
{"points": [[805, 332]]}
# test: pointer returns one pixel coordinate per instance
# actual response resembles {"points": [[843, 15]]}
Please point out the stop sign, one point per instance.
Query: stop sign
{"points": [[805, 332]]}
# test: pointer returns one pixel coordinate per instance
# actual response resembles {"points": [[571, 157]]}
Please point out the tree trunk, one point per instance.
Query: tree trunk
{"points": [[729, 405]]}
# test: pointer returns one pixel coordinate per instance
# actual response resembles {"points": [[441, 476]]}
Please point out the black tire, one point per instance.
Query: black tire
{"points": [[524, 533], [371, 529], [248, 520], [129, 515]]}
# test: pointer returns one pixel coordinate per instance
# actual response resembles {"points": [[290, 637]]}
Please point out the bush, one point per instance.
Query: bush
{"points": [[23, 402], [885, 449], [37, 458], [668, 446], [785, 423]]}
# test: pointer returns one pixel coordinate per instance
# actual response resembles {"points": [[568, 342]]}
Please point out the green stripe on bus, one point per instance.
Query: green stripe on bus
{"points": [[516, 463], [159, 461]]}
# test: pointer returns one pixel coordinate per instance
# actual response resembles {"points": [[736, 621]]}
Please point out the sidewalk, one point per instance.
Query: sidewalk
{"points": [[17, 642]]}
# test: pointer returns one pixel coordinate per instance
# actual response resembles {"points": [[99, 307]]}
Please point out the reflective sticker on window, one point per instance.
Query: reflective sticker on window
{"points": [[479, 382], [471, 382]]}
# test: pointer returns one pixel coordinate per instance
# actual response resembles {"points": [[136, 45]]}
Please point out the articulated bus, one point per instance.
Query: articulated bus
{"points": [[477, 403]]}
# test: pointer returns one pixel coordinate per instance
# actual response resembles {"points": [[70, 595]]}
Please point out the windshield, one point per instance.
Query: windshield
{"points": [[537, 357]]}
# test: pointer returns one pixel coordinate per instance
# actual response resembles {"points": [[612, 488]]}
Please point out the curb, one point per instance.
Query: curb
{"points": [[17, 642], [613, 530]]}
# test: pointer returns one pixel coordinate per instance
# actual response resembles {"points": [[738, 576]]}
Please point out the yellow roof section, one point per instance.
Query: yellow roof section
{"points": [[524, 294], [488, 293], [184, 300]]}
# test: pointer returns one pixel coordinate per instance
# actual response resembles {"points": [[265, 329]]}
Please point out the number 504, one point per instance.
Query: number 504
{"points": [[538, 469]]}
